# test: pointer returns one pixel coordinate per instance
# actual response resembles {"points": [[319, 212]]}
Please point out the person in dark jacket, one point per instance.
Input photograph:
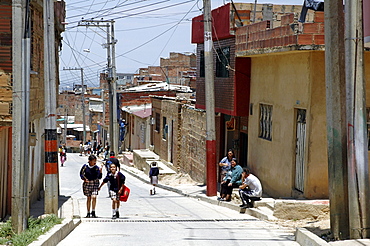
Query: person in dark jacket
{"points": [[117, 182], [153, 175], [110, 160], [90, 173]]}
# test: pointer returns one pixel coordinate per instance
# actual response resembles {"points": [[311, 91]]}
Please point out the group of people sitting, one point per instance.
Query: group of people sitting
{"points": [[234, 176]]}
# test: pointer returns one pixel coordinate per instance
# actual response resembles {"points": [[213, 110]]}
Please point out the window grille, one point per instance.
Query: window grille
{"points": [[222, 62], [265, 122], [165, 128]]}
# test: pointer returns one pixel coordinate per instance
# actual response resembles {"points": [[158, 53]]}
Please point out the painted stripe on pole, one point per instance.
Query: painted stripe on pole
{"points": [[51, 168], [51, 153], [51, 157], [211, 168], [51, 145]]}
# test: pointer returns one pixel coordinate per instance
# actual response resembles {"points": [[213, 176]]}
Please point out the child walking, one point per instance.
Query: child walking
{"points": [[63, 154], [153, 175], [117, 182], [90, 173]]}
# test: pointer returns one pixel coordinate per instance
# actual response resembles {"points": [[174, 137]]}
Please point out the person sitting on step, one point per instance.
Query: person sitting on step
{"points": [[250, 190]]}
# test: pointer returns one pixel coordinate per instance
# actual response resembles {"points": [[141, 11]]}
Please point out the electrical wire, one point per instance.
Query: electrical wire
{"points": [[174, 31], [77, 55]]}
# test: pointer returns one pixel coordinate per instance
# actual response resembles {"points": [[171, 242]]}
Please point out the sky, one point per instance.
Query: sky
{"points": [[145, 30]]}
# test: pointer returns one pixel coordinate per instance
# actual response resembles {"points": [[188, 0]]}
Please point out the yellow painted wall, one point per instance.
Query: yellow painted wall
{"points": [[286, 82], [316, 179]]}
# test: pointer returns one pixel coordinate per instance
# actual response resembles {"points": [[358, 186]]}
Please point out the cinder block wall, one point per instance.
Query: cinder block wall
{"points": [[193, 143]]}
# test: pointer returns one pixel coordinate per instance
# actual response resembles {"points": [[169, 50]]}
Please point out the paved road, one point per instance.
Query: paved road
{"points": [[166, 218]]}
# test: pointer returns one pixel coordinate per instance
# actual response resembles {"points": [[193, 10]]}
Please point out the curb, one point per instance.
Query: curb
{"points": [[251, 211], [307, 238], [57, 233]]}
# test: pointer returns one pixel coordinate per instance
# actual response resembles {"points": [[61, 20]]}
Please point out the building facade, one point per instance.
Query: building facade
{"points": [[9, 74]]}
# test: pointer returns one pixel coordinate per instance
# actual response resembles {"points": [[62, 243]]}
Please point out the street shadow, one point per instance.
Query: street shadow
{"points": [[38, 208]]}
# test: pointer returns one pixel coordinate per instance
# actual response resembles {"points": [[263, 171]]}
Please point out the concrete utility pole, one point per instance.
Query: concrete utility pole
{"points": [[336, 118], [358, 173], [210, 101], [21, 83], [51, 145], [65, 125], [82, 101], [115, 136], [111, 67]]}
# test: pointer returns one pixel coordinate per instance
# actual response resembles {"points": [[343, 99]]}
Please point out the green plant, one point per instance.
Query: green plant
{"points": [[6, 232], [36, 227]]}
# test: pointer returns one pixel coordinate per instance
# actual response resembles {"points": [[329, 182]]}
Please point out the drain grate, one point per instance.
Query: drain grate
{"points": [[165, 221]]}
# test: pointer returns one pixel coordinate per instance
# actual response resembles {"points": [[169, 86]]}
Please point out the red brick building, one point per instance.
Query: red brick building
{"points": [[232, 76]]}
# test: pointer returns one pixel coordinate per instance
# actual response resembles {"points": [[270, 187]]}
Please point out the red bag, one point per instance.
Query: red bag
{"points": [[124, 196]]}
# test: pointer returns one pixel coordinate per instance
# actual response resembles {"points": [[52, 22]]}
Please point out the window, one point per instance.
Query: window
{"points": [[222, 61], [265, 122], [165, 128], [157, 121], [202, 65]]}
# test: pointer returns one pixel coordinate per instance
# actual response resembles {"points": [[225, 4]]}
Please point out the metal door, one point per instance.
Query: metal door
{"points": [[300, 149]]}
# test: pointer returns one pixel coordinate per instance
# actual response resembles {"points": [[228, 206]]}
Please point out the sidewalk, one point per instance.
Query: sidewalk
{"points": [[68, 209]]}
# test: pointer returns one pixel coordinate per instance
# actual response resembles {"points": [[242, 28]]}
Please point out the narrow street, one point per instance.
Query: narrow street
{"points": [[166, 218]]}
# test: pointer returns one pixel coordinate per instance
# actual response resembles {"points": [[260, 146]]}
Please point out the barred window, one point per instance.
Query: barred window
{"points": [[222, 61], [165, 128], [265, 122]]}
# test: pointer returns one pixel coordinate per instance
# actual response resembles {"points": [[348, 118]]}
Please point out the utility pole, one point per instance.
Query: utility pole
{"points": [[82, 101], [51, 145], [65, 125], [115, 136], [358, 172], [210, 101], [111, 67], [336, 119], [21, 83]]}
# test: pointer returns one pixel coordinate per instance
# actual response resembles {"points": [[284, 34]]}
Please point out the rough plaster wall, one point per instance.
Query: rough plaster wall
{"points": [[316, 159]]}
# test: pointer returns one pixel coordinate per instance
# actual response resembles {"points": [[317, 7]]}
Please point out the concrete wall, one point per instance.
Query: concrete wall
{"points": [[141, 137], [286, 81]]}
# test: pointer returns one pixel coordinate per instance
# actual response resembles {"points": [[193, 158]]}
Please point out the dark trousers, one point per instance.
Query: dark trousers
{"points": [[245, 196], [226, 189]]}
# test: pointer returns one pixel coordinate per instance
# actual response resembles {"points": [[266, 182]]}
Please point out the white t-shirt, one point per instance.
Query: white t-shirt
{"points": [[254, 185]]}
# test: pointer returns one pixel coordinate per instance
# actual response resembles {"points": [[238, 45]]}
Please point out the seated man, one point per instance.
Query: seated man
{"points": [[250, 190]]}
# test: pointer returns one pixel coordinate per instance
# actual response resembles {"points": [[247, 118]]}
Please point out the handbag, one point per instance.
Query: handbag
{"points": [[125, 194]]}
